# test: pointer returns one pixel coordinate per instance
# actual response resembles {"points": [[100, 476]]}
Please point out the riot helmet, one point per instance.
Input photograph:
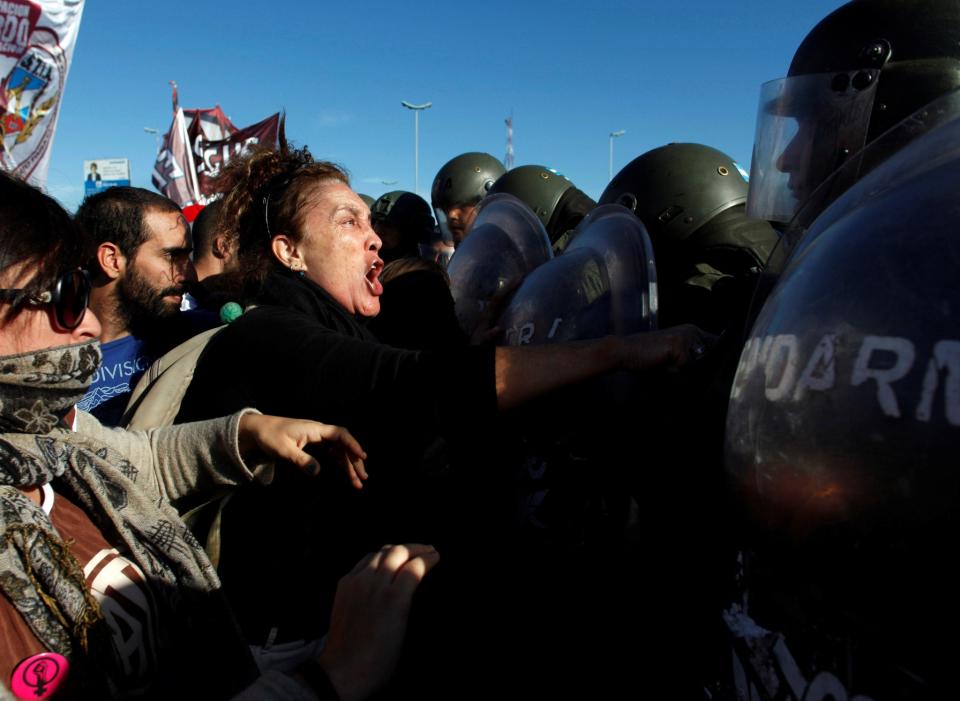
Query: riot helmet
{"points": [[843, 423], [366, 199], [863, 69], [677, 188], [555, 200], [691, 199], [403, 222], [458, 187]]}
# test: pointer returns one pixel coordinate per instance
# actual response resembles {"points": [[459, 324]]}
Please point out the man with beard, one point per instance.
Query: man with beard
{"points": [[137, 245]]}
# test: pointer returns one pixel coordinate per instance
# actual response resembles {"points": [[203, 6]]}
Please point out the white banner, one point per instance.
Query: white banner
{"points": [[36, 44]]}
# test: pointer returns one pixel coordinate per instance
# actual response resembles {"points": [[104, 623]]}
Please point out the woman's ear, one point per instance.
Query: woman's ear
{"points": [[285, 250]]}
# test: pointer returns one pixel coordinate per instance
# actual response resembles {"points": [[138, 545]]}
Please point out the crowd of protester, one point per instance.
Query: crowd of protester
{"points": [[131, 553], [225, 445]]}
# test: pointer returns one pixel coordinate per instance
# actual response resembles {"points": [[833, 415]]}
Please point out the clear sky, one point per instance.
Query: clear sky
{"points": [[568, 72]]}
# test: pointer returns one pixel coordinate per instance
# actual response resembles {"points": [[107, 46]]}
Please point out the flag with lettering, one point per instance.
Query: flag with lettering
{"points": [[200, 142], [37, 38], [210, 155]]}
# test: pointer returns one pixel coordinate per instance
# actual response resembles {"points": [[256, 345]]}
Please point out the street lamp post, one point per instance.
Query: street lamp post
{"points": [[417, 109], [613, 135]]}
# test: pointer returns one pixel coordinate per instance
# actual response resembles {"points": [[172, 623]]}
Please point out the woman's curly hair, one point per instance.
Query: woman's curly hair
{"points": [[265, 193]]}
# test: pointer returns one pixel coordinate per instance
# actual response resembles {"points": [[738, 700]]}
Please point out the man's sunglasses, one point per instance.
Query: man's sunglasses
{"points": [[69, 298]]}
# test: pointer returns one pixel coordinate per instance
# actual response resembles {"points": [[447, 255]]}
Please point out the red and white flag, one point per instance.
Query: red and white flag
{"points": [[200, 142], [210, 155], [37, 38], [173, 173]]}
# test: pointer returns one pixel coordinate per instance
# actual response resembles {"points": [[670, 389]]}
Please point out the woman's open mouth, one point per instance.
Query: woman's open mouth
{"points": [[373, 277]]}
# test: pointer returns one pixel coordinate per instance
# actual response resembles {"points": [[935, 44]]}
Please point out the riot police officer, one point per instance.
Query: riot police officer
{"points": [[860, 72], [556, 201], [457, 189], [691, 199], [404, 224], [844, 414]]}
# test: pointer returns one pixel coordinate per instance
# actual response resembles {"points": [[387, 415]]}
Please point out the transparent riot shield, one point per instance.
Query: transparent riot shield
{"points": [[506, 242], [604, 283]]}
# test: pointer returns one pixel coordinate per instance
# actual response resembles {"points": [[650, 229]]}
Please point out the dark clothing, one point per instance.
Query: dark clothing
{"points": [[417, 312], [214, 291], [708, 279], [301, 354]]}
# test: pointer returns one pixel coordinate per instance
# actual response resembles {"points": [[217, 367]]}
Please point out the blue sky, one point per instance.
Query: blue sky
{"points": [[569, 74]]}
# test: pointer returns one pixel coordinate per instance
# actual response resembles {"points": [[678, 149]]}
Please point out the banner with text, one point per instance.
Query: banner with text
{"points": [[210, 156], [37, 38], [190, 159]]}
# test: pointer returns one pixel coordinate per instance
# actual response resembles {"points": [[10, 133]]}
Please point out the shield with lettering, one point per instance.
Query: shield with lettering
{"points": [[842, 433]]}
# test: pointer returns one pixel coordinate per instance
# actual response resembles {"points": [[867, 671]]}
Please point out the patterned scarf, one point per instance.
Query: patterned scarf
{"points": [[39, 388], [37, 572]]}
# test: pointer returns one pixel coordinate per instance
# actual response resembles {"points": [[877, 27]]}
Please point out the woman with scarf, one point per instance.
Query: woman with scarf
{"points": [[105, 591]]}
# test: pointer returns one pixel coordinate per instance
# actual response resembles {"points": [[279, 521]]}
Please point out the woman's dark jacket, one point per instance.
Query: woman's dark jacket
{"points": [[300, 354]]}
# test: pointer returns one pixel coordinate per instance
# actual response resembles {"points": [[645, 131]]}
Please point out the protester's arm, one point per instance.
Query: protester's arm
{"points": [[526, 372], [176, 461], [276, 438]]}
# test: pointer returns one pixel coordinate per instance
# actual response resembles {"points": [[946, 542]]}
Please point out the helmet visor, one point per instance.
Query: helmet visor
{"points": [[807, 126]]}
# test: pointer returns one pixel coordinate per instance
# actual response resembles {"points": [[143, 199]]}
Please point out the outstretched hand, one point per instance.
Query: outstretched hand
{"points": [[670, 348], [274, 438], [369, 619]]}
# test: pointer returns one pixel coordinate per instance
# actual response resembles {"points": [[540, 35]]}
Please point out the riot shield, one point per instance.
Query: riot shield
{"points": [[604, 283], [841, 438], [507, 241]]}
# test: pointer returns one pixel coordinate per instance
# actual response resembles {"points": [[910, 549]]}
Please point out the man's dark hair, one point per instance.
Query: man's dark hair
{"points": [[116, 215], [204, 228]]}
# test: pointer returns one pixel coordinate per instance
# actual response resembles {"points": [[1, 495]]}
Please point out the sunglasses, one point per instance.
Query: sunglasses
{"points": [[69, 298]]}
